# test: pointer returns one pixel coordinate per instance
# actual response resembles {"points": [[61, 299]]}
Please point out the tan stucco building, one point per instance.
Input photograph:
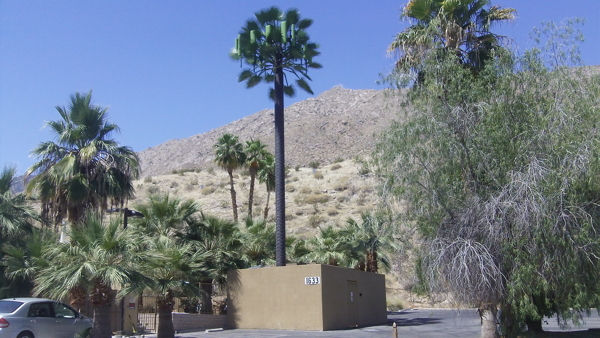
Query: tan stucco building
{"points": [[305, 297]]}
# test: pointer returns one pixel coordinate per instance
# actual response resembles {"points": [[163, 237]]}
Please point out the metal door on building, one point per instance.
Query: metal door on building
{"points": [[352, 304]]}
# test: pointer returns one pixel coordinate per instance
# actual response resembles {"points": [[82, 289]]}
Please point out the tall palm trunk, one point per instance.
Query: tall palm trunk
{"points": [[251, 196], [165, 316], [233, 199], [279, 166], [372, 261], [267, 206], [101, 299], [207, 288]]}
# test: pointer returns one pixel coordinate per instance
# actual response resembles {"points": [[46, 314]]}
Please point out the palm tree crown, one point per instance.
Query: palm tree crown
{"points": [[229, 155], [84, 168], [272, 44], [461, 27]]}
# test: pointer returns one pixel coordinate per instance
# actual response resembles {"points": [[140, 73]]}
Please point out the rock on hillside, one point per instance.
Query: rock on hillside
{"points": [[339, 123]]}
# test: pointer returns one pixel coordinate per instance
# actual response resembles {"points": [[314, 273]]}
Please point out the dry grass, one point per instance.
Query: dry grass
{"points": [[311, 201]]}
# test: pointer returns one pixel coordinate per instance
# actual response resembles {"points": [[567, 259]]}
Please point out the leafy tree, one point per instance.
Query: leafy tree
{"points": [[266, 175], [272, 44], [256, 153], [459, 27], [84, 168], [92, 263], [229, 154], [498, 177]]}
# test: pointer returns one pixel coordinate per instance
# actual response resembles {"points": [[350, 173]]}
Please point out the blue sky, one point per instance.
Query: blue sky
{"points": [[163, 67]]}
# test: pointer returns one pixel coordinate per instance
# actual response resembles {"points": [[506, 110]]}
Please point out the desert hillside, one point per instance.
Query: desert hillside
{"points": [[339, 123]]}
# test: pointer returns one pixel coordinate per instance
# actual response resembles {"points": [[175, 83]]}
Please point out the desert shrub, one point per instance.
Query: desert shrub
{"points": [[342, 184], [317, 198], [211, 170], [343, 199], [315, 220], [335, 166], [332, 211], [153, 189], [394, 305], [208, 190], [148, 179], [314, 164], [225, 204], [364, 169], [290, 188], [295, 179], [189, 187], [318, 175], [338, 160], [174, 185], [299, 212], [194, 181], [300, 200], [305, 190], [297, 168]]}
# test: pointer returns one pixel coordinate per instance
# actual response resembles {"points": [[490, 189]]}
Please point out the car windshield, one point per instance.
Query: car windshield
{"points": [[9, 306]]}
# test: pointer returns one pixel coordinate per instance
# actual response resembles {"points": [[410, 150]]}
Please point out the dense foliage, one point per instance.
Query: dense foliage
{"points": [[498, 171]]}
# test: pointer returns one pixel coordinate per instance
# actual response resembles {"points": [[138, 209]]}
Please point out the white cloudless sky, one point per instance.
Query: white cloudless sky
{"points": [[162, 67]]}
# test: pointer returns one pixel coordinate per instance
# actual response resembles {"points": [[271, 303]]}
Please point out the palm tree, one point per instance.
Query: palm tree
{"points": [[459, 27], [220, 241], [229, 154], [93, 262], [84, 168], [258, 239], [330, 247], [255, 155], [22, 258], [373, 237], [15, 215], [266, 175], [272, 44], [164, 216], [169, 264], [170, 268]]}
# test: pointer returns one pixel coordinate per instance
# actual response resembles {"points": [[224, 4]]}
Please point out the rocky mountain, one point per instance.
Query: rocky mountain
{"points": [[339, 123]]}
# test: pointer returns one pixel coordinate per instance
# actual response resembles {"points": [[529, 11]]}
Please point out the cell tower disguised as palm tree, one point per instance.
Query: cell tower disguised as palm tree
{"points": [[272, 44]]}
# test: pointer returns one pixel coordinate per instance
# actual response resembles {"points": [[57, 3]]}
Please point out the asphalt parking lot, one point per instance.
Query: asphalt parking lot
{"points": [[418, 323]]}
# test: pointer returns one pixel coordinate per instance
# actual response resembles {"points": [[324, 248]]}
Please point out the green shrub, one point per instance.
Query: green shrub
{"points": [[148, 179], [335, 166], [338, 160], [314, 164], [153, 189]]}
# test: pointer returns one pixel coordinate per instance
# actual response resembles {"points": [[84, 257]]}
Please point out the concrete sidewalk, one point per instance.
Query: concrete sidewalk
{"points": [[418, 323]]}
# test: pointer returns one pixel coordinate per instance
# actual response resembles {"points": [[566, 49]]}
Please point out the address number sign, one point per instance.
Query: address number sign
{"points": [[312, 280]]}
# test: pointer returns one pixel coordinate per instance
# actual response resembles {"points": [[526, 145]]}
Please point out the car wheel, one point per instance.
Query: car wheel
{"points": [[26, 334]]}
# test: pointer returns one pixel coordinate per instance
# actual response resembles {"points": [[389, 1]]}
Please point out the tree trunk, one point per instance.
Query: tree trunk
{"points": [[165, 317], [372, 261], [279, 166], [251, 197], [488, 322], [267, 206], [206, 286], [101, 299], [534, 326], [233, 199], [101, 326]]}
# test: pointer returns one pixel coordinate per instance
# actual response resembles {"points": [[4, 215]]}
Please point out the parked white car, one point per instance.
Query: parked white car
{"points": [[40, 318]]}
